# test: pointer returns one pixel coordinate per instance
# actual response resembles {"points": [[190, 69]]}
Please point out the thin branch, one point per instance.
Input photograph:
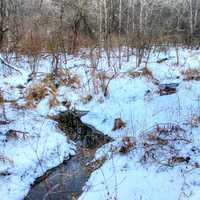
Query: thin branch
{"points": [[9, 66]]}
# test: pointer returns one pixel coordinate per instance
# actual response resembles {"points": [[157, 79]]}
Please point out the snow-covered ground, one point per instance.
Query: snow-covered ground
{"points": [[150, 171], [30, 143]]}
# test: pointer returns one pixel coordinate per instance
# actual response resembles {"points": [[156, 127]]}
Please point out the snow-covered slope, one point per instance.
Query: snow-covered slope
{"points": [[135, 100]]}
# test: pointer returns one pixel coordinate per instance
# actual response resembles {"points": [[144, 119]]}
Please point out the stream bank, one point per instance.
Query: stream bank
{"points": [[65, 182]]}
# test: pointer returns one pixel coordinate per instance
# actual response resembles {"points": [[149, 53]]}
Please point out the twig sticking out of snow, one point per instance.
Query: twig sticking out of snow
{"points": [[9, 66]]}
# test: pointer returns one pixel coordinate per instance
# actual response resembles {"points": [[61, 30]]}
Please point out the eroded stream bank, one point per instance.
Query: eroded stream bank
{"points": [[66, 181]]}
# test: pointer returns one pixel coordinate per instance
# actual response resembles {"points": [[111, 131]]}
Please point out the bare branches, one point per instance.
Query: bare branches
{"points": [[9, 66]]}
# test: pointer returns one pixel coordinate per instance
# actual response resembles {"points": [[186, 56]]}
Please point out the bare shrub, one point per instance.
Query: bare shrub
{"points": [[102, 81]]}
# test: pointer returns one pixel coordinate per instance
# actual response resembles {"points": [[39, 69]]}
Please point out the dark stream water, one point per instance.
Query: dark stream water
{"points": [[66, 181]]}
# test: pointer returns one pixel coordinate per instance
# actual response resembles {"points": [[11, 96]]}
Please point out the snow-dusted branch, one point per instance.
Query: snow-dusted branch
{"points": [[9, 66]]}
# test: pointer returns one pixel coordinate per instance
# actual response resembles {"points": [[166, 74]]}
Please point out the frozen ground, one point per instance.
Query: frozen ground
{"points": [[149, 171]]}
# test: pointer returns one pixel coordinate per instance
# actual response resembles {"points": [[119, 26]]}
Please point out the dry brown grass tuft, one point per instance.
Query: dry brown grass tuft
{"points": [[118, 124], [35, 94], [127, 145], [191, 74], [147, 72], [65, 77], [161, 144], [135, 74], [144, 72]]}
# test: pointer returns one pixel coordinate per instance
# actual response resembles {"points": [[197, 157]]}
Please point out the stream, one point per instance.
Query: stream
{"points": [[65, 182]]}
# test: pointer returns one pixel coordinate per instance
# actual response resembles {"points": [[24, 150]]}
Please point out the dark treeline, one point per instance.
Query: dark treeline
{"points": [[34, 26]]}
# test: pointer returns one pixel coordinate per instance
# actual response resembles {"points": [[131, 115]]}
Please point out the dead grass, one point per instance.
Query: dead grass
{"points": [[128, 144], [49, 86], [191, 74], [118, 124], [135, 74], [162, 145], [144, 72], [147, 72], [35, 94]]}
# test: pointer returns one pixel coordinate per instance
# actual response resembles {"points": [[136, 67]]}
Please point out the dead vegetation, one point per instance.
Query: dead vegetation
{"points": [[128, 144], [143, 72], [62, 77], [146, 72], [118, 124], [35, 94], [101, 81], [162, 145], [67, 78], [49, 86], [135, 74], [191, 74]]}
